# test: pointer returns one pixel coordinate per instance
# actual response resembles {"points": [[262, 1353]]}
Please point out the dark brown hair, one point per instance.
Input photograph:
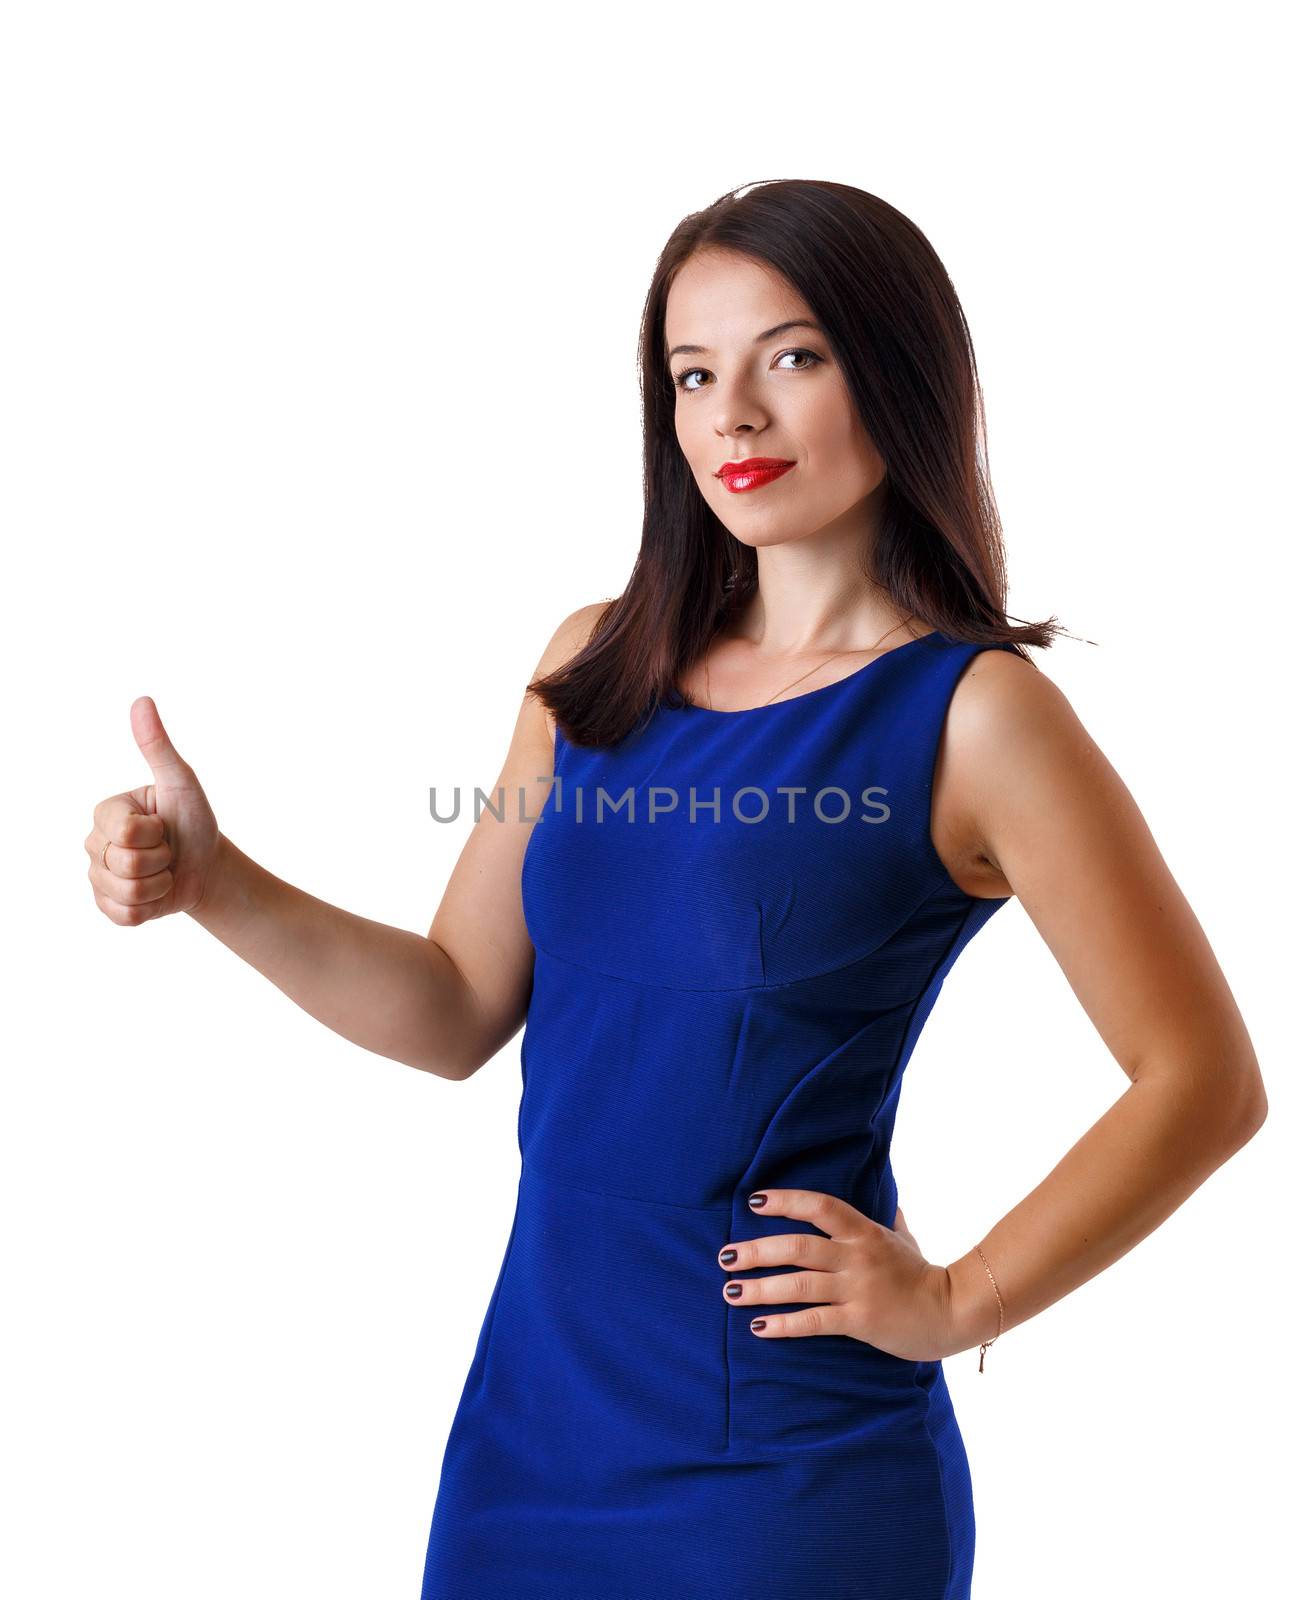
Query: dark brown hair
{"points": [[877, 288]]}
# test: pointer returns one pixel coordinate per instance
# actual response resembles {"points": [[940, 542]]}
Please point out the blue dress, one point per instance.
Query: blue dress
{"points": [[721, 1002]]}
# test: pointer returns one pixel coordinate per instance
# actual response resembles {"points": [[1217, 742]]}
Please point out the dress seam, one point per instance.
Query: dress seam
{"points": [[942, 1491], [613, 1194], [756, 988]]}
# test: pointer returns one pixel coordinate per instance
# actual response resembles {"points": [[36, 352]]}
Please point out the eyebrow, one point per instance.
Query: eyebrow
{"points": [[769, 333]]}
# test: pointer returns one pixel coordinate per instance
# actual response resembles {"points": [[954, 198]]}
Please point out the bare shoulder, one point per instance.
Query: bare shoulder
{"points": [[999, 693], [1008, 728], [570, 636]]}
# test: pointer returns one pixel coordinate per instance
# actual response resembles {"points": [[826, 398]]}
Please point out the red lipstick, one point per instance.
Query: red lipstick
{"points": [[740, 476]]}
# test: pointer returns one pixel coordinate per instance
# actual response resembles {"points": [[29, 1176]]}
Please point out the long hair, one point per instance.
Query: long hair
{"points": [[883, 298]]}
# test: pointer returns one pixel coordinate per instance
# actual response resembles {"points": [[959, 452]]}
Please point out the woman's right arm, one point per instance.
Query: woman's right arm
{"points": [[445, 1003]]}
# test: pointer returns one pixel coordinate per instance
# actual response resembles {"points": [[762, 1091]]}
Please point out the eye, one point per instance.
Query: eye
{"points": [[688, 373], [808, 355]]}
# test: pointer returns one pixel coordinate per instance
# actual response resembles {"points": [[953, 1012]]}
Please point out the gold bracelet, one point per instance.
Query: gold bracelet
{"points": [[1001, 1314]]}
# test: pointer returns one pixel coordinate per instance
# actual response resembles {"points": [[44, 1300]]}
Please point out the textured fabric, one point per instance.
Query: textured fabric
{"points": [[718, 1006]]}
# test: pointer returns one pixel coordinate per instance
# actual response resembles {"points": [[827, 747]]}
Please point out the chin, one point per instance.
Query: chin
{"points": [[759, 539]]}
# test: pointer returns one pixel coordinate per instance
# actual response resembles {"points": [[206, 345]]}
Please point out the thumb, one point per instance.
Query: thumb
{"points": [[155, 744]]}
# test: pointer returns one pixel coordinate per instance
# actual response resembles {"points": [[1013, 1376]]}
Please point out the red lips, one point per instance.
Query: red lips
{"points": [[751, 473]]}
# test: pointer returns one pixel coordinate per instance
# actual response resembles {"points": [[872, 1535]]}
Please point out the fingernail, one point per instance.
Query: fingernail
{"points": [[757, 1323], [728, 1257], [733, 1291], [757, 1200]]}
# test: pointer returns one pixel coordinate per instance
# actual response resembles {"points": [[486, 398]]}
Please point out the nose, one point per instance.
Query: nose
{"points": [[735, 425], [738, 411]]}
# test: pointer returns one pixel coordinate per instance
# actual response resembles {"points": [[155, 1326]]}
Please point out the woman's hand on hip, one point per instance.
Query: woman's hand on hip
{"points": [[868, 1282]]}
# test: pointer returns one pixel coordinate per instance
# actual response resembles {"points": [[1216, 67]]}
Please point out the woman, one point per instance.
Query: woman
{"points": [[797, 765]]}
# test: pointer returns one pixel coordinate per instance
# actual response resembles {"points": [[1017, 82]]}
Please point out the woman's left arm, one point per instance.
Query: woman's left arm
{"points": [[1053, 817]]}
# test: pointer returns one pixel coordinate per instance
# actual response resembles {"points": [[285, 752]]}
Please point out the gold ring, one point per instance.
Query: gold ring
{"points": [[104, 852]]}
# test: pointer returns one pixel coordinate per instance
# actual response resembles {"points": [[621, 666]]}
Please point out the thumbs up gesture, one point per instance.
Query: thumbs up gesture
{"points": [[152, 849]]}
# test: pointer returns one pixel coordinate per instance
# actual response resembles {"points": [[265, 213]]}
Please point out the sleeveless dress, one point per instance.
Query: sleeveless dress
{"points": [[722, 1000]]}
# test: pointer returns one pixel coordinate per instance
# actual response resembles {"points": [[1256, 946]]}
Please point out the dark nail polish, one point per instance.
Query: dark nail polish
{"points": [[733, 1291], [728, 1257], [757, 1200], [757, 1323]]}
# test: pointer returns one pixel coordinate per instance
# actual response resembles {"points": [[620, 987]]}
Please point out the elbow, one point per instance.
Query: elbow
{"points": [[1219, 1109], [448, 1067], [1255, 1108], [1245, 1107], [460, 1059]]}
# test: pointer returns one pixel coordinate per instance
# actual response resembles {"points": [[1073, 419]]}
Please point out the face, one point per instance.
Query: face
{"points": [[748, 387]]}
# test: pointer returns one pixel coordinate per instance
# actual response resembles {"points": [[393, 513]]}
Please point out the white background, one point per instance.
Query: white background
{"points": [[320, 412]]}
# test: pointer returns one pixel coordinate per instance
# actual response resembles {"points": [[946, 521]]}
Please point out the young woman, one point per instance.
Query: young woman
{"points": [[797, 765]]}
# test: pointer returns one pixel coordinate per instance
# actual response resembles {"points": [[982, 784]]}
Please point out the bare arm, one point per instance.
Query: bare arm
{"points": [[1055, 822], [479, 922], [445, 1003], [386, 989]]}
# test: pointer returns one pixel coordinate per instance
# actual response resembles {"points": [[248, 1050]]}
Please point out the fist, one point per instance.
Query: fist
{"points": [[152, 849]]}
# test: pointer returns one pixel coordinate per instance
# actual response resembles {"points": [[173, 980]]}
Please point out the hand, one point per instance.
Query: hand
{"points": [[153, 850], [873, 1282]]}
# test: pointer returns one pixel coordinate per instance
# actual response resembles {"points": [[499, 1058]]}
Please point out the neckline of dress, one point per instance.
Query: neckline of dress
{"points": [[810, 694], [825, 688]]}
